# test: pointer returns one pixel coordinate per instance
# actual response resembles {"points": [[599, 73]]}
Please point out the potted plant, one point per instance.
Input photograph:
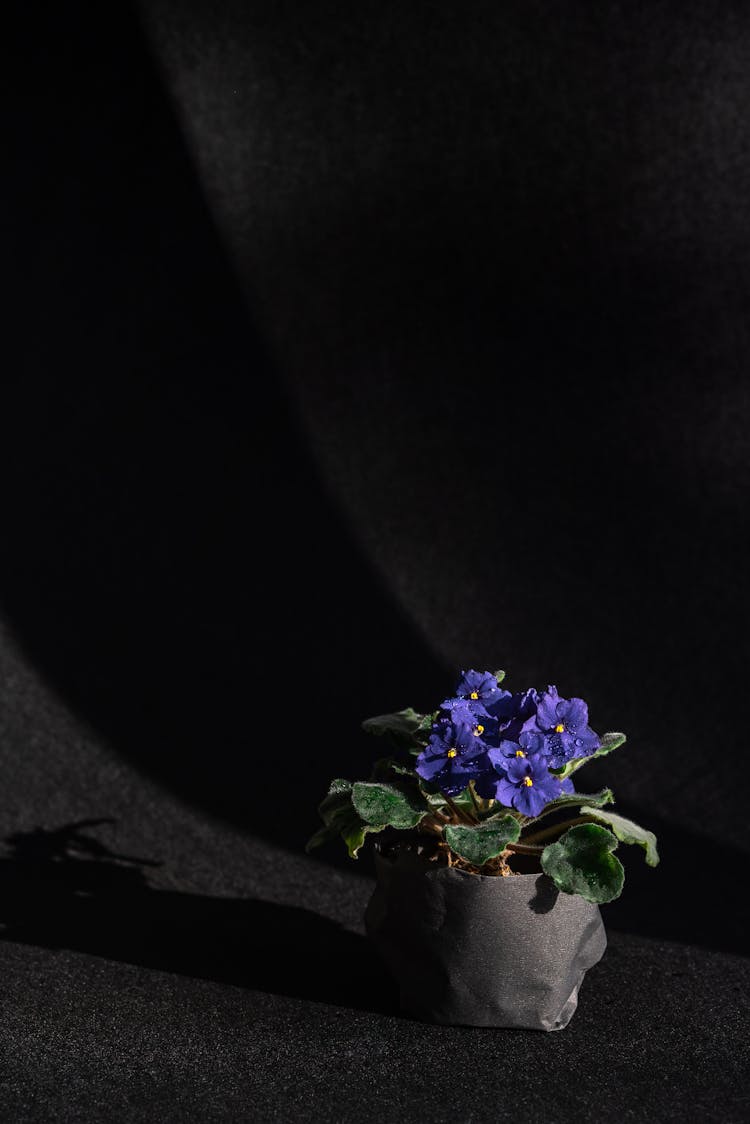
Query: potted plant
{"points": [[490, 866]]}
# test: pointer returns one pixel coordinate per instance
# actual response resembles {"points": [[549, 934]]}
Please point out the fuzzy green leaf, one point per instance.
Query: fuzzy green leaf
{"points": [[337, 798], [348, 826], [610, 741], [425, 726], [388, 805], [421, 735], [581, 862], [485, 841], [462, 800], [499, 675], [402, 723], [626, 831], [340, 818], [434, 799]]}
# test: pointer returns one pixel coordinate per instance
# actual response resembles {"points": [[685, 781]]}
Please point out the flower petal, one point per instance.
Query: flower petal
{"points": [[429, 765], [505, 791], [533, 741], [464, 739], [530, 800], [546, 711], [517, 768], [585, 742], [498, 757], [576, 715], [559, 748]]}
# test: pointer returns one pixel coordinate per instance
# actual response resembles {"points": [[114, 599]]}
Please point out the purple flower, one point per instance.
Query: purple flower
{"points": [[525, 784], [453, 757], [460, 714], [514, 713], [528, 743], [478, 685], [564, 723], [475, 690]]}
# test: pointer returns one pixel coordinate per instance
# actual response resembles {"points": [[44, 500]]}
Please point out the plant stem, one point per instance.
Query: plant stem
{"points": [[524, 849], [458, 812], [432, 824], [548, 831], [474, 800]]}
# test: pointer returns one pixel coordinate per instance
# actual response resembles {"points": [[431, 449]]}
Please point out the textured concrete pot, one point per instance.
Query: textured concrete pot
{"points": [[481, 951]]}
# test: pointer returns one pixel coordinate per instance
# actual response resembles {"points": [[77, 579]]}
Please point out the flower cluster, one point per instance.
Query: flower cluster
{"points": [[505, 743], [482, 770]]}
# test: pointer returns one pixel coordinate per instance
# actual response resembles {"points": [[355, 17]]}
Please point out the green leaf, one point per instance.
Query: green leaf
{"points": [[485, 841], [403, 724], [609, 742], [425, 726], [581, 862], [463, 800], [388, 805], [338, 798], [499, 675], [627, 832], [421, 735], [353, 834], [349, 827], [570, 799], [434, 799], [340, 818]]}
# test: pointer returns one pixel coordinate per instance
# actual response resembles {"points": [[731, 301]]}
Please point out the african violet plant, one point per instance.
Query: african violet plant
{"points": [[490, 765]]}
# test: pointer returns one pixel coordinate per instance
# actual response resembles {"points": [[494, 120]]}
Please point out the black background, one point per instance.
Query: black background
{"points": [[351, 346]]}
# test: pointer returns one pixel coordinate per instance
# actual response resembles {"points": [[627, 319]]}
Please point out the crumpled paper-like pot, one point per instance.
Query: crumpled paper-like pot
{"points": [[471, 950]]}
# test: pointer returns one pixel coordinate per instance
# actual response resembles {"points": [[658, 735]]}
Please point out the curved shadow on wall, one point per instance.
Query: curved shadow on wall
{"points": [[170, 558]]}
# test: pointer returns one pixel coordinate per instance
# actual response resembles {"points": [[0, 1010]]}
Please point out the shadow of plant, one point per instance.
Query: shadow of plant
{"points": [[63, 888]]}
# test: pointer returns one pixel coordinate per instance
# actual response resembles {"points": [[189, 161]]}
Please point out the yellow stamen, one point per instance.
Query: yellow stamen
{"points": [[452, 753], [520, 753], [479, 729], [528, 782], [559, 728], [473, 695]]}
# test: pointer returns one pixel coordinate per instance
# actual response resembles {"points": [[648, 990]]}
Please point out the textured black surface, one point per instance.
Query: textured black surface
{"points": [[86, 1038], [472, 390], [168, 965]]}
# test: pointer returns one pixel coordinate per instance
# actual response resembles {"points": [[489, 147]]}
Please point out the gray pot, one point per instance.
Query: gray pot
{"points": [[482, 951]]}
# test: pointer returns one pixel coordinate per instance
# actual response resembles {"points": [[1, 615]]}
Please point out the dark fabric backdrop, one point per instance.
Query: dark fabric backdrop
{"points": [[485, 404], [350, 345]]}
